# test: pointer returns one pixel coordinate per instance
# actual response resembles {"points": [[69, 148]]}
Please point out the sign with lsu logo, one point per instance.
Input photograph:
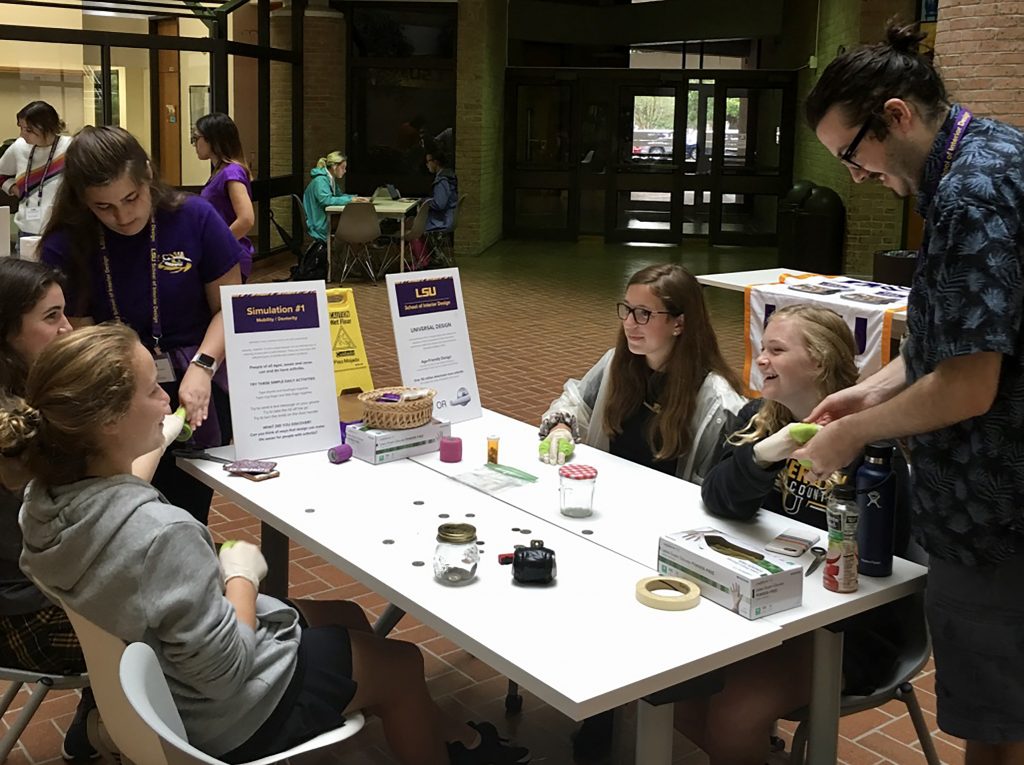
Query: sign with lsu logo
{"points": [[867, 307], [432, 339]]}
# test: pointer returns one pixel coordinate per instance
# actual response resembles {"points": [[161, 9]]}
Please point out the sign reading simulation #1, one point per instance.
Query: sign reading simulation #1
{"points": [[429, 295], [429, 318], [280, 310], [277, 340]]}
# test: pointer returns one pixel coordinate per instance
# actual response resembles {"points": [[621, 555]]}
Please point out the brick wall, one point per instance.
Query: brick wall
{"points": [[480, 93], [323, 125], [979, 48], [874, 217]]}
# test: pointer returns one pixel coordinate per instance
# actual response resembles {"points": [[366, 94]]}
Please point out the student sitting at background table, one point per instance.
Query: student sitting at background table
{"points": [[229, 189], [443, 199], [250, 675], [807, 353], [322, 192]]}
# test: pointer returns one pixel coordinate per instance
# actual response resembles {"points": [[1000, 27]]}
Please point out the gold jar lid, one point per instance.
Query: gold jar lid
{"points": [[456, 533]]}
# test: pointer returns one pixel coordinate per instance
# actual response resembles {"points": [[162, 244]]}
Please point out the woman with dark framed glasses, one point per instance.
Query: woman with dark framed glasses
{"points": [[660, 398], [662, 395]]}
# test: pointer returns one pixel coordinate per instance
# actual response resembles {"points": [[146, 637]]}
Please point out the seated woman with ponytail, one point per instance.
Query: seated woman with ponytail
{"points": [[250, 675], [323, 191]]}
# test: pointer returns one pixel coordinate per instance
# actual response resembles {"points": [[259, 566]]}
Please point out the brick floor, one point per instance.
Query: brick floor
{"points": [[538, 314]]}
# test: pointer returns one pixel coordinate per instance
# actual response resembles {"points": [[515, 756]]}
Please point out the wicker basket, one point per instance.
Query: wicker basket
{"points": [[397, 415]]}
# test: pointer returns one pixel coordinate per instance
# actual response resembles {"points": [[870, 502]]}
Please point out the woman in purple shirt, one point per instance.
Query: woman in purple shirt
{"points": [[229, 189], [141, 253]]}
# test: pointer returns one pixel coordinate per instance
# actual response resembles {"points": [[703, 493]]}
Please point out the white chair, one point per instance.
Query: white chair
{"points": [[43, 684], [136, 738], [145, 689]]}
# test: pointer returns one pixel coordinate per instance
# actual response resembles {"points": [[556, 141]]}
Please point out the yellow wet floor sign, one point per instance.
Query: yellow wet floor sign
{"points": [[351, 367]]}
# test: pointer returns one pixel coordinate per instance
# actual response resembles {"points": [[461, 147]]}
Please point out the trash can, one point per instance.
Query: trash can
{"points": [[895, 267], [811, 235]]}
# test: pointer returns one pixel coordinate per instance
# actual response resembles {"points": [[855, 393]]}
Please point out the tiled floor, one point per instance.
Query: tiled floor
{"points": [[538, 314]]}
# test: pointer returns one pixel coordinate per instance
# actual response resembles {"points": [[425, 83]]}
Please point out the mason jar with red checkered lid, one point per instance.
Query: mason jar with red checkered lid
{"points": [[576, 490]]}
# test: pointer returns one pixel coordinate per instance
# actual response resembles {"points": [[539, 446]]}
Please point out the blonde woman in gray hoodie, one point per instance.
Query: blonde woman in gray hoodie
{"points": [[250, 675]]}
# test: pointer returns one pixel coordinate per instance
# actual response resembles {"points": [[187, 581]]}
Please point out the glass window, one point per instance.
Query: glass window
{"points": [[543, 120], [194, 101], [650, 210], [403, 33], [243, 106], [398, 113], [281, 120], [130, 83], [56, 73], [542, 208], [652, 137], [749, 213]]}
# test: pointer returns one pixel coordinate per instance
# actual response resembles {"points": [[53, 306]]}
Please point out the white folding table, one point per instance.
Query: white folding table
{"points": [[583, 645], [634, 506]]}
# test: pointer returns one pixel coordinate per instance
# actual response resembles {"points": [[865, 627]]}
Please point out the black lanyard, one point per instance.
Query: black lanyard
{"points": [[153, 261], [46, 169]]}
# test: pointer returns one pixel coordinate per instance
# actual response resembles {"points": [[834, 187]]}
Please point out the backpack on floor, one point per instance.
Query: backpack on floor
{"points": [[312, 263]]}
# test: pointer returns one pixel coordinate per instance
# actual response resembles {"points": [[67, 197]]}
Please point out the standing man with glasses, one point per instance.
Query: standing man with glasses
{"points": [[957, 390]]}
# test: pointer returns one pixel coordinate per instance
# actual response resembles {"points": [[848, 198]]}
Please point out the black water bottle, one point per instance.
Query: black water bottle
{"points": [[876, 498]]}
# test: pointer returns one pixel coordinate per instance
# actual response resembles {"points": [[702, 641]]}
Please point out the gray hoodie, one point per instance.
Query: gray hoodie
{"points": [[113, 550]]}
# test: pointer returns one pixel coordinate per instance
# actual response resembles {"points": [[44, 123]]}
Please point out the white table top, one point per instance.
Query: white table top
{"points": [[383, 206], [635, 505], [737, 281], [555, 641]]}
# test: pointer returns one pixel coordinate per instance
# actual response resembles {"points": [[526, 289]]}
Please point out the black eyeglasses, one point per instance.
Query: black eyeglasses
{"points": [[851, 150], [195, 138], [640, 315]]}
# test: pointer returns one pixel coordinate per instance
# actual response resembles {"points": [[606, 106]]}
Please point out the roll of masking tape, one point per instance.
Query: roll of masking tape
{"points": [[688, 597]]}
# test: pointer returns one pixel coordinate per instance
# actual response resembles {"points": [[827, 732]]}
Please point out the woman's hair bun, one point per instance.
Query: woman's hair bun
{"points": [[19, 424], [905, 38]]}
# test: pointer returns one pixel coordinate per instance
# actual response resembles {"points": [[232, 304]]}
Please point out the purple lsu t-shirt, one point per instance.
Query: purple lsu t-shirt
{"points": [[194, 247], [216, 193]]}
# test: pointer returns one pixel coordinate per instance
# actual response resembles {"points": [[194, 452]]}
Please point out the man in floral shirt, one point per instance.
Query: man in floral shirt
{"points": [[957, 390]]}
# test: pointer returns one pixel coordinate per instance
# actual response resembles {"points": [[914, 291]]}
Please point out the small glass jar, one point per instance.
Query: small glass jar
{"points": [[576, 490], [456, 555]]}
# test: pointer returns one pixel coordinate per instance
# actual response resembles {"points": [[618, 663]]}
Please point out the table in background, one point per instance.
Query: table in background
{"points": [[738, 281], [565, 643], [390, 208], [634, 506]]}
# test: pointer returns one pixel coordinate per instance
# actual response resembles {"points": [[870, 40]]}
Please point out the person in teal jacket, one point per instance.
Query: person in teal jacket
{"points": [[322, 192]]}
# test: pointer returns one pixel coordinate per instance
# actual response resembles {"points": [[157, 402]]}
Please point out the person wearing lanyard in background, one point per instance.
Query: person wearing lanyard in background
{"points": [[32, 168], [229, 189], [139, 252], [957, 389]]}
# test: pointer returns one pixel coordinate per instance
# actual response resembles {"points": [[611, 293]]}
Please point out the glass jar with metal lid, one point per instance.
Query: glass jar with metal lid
{"points": [[457, 555]]}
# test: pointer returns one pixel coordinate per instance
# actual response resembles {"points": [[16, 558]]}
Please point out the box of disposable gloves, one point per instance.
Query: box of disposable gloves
{"points": [[733, 572], [378, 446]]}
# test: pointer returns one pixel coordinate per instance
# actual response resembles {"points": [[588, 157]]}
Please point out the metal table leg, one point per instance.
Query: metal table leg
{"points": [[826, 687]]}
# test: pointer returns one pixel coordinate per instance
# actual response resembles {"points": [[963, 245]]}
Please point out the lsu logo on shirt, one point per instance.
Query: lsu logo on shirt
{"points": [[175, 262]]}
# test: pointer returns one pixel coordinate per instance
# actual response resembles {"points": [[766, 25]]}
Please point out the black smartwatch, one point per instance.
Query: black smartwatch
{"points": [[206, 362]]}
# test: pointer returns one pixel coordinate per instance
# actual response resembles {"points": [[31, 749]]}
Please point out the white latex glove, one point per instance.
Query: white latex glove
{"points": [[775, 448], [558, 446], [242, 559], [173, 423]]}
